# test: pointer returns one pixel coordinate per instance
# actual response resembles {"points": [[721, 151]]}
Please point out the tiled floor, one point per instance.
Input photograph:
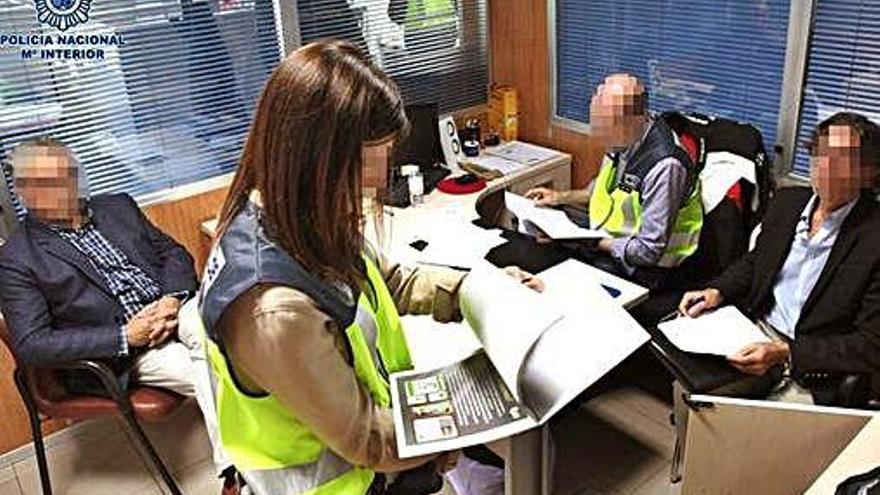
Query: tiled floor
{"points": [[97, 458], [618, 443]]}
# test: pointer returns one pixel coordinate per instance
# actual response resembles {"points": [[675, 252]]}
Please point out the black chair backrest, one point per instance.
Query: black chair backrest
{"points": [[727, 228]]}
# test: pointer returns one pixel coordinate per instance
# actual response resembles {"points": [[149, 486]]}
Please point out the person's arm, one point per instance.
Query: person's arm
{"points": [[577, 197], [178, 271], [423, 290], [544, 196], [280, 342], [663, 192], [35, 340], [857, 351]]}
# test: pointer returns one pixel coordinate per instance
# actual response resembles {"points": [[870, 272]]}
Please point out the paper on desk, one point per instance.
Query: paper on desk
{"points": [[524, 153], [498, 163], [451, 243], [569, 276], [554, 223], [723, 332]]}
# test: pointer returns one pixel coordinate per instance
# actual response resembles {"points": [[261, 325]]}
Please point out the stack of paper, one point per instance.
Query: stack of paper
{"points": [[723, 332], [554, 223], [524, 153]]}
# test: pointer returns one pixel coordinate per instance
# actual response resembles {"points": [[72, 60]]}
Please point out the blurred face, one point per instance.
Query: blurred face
{"points": [[613, 118], [46, 179], [375, 158], [837, 174]]}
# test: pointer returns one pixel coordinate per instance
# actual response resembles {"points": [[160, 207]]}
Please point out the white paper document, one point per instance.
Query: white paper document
{"points": [[449, 243], [535, 352], [722, 332], [571, 275], [524, 153], [554, 223]]}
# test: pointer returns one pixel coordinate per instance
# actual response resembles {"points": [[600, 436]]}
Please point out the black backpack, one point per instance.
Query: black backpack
{"points": [[727, 228]]}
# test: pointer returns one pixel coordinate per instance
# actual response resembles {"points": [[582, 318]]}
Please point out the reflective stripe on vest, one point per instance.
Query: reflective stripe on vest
{"points": [[630, 215], [619, 212], [275, 452]]}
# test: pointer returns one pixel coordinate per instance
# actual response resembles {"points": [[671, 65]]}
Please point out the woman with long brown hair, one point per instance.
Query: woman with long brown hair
{"points": [[302, 321]]}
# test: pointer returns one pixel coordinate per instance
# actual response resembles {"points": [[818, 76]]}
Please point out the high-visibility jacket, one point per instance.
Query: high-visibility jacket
{"points": [[616, 205], [274, 452]]}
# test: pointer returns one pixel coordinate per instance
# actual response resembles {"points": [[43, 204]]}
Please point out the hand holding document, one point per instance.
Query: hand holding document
{"points": [[554, 223], [723, 332]]}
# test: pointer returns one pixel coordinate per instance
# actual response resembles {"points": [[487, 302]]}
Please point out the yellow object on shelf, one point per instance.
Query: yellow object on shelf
{"points": [[503, 112]]}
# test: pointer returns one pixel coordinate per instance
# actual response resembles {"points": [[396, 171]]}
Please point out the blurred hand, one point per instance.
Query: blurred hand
{"points": [[169, 305], [756, 359], [165, 324], [447, 461], [143, 324], [543, 196], [526, 278], [138, 331], [695, 303]]}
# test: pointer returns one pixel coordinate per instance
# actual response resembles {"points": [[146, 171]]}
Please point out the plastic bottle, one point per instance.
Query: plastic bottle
{"points": [[416, 184]]}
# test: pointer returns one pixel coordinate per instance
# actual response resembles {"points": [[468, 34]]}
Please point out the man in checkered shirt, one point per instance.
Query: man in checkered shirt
{"points": [[93, 280]]}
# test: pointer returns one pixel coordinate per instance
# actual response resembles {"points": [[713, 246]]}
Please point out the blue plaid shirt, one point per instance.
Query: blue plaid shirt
{"points": [[131, 286]]}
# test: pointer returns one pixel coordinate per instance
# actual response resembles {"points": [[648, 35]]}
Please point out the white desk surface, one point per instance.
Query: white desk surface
{"points": [[860, 456]]}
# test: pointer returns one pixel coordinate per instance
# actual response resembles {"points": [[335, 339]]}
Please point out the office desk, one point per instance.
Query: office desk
{"points": [[554, 172], [526, 463], [860, 456]]}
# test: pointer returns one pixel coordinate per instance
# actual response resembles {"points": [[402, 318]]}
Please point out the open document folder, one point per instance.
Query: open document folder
{"points": [[554, 223], [723, 332], [538, 352]]}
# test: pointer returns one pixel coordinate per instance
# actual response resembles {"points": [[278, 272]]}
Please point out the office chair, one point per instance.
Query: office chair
{"points": [[42, 393], [855, 391]]}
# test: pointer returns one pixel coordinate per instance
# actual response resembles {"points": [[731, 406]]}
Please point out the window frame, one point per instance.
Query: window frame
{"points": [[800, 29]]}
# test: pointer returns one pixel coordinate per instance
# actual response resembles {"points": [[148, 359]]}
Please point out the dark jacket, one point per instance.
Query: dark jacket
{"points": [[58, 308], [839, 327]]}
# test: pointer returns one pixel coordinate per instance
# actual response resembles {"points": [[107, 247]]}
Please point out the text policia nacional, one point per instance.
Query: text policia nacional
{"points": [[60, 46]]}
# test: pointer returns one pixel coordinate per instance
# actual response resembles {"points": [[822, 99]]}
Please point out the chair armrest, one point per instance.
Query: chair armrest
{"points": [[96, 368]]}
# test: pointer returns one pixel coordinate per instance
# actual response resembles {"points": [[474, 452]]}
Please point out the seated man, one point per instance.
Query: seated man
{"points": [[646, 194], [813, 279], [92, 280]]}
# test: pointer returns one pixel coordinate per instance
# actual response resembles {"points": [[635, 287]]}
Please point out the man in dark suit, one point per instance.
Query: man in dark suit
{"points": [[93, 280], [86, 279], [813, 280]]}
